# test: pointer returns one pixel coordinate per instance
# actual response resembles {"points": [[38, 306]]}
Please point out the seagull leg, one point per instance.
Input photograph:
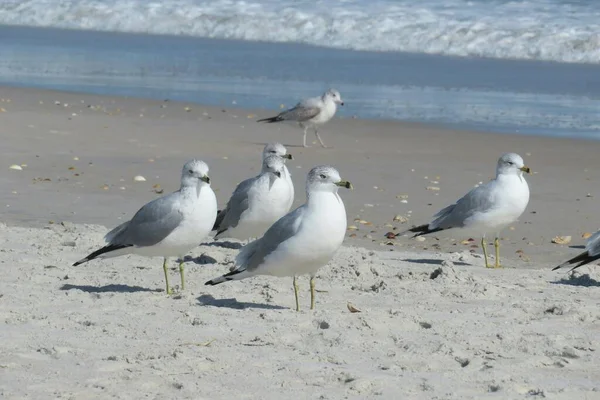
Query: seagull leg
{"points": [[485, 255], [319, 137], [166, 275], [497, 247], [296, 294], [304, 140], [312, 292], [181, 273]]}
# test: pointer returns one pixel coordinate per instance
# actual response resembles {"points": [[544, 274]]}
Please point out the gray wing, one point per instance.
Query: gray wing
{"points": [[455, 215], [237, 204], [150, 225], [303, 111], [593, 244], [253, 254]]}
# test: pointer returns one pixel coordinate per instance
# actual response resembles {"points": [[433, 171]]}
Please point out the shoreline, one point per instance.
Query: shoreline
{"points": [[497, 95]]}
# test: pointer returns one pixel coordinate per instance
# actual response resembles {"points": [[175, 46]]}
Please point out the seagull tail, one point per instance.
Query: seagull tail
{"points": [[99, 252], [581, 259], [231, 276], [276, 118], [420, 230]]}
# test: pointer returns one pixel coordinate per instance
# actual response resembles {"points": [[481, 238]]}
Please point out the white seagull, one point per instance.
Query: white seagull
{"points": [[302, 241], [256, 203], [311, 112], [487, 208], [169, 226]]}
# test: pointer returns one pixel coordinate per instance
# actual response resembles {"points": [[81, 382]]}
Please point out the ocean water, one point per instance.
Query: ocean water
{"points": [[529, 67]]}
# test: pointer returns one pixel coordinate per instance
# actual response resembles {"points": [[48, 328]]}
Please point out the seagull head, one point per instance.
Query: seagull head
{"points": [[511, 164], [325, 178], [276, 149], [195, 174], [334, 96], [273, 165]]}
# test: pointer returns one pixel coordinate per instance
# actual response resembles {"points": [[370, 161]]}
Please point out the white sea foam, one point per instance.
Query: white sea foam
{"points": [[558, 30]]}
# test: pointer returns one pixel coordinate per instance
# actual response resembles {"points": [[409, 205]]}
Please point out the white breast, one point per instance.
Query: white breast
{"points": [[327, 112], [320, 235]]}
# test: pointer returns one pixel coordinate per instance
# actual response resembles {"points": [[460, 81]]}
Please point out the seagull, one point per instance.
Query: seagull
{"points": [[487, 208], [256, 203], [278, 149], [311, 112], [168, 226], [591, 253], [302, 241]]}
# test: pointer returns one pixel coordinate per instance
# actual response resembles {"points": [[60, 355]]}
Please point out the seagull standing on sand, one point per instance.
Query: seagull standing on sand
{"points": [[278, 149], [487, 208], [302, 241], [311, 112], [591, 253], [256, 203], [168, 226]]}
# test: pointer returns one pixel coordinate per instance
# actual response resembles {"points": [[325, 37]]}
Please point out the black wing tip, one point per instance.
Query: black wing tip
{"points": [[99, 252], [422, 230], [271, 119], [583, 259]]}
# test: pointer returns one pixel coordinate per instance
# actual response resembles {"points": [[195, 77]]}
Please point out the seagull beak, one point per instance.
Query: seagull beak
{"points": [[341, 103], [525, 169], [345, 184], [277, 174], [205, 178], [289, 156]]}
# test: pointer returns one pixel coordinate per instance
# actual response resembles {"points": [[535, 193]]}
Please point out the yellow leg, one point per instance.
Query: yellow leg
{"points": [[312, 292], [181, 273], [497, 247], [166, 276], [485, 255], [296, 294]]}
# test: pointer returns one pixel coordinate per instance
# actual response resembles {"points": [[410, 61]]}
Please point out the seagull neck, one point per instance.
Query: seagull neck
{"points": [[190, 189], [314, 198]]}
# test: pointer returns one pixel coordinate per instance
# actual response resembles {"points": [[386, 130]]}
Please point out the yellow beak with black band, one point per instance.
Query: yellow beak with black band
{"points": [[345, 184], [526, 169], [205, 178], [289, 156]]}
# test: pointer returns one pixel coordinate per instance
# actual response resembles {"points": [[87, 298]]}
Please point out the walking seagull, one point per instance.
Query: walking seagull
{"points": [[311, 113]]}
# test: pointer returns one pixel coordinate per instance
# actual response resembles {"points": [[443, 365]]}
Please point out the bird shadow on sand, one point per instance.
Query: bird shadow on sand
{"points": [[580, 246], [208, 300], [109, 288], [226, 245], [202, 260], [433, 261], [579, 280]]}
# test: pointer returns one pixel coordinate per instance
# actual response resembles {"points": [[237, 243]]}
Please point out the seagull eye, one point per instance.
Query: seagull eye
{"points": [[191, 171], [322, 176]]}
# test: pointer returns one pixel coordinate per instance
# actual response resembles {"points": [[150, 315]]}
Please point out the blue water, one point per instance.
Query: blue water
{"points": [[530, 67]]}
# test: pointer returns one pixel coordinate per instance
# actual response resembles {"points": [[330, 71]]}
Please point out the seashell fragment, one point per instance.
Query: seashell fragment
{"points": [[352, 308], [139, 178], [16, 167], [561, 239]]}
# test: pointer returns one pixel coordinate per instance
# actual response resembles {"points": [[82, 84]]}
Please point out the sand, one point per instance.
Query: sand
{"points": [[433, 323]]}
